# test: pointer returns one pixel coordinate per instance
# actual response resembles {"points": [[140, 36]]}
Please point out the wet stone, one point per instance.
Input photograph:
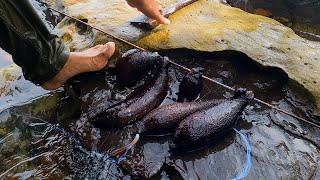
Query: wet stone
{"points": [[273, 146], [55, 150]]}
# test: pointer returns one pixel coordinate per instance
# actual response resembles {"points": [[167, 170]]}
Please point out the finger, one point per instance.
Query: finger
{"points": [[161, 19], [153, 11], [157, 16]]}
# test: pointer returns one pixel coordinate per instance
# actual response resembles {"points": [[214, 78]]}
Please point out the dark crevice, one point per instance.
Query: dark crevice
{"points": [[248, 65], [244, 62]]}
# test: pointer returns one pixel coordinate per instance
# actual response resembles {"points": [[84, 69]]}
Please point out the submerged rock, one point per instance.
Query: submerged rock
{"points": [[13, 87]]}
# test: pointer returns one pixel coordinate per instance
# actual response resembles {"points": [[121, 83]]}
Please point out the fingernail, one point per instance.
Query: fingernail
{"points": [[111, 43], [167, 21]]}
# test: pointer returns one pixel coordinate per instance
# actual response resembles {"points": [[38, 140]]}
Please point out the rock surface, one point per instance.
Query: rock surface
{"points": [[203, 26], [264, 40], [112, 16], [13, 88]]}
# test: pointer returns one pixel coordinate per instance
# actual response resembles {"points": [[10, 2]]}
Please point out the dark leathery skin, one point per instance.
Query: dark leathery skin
{"points": [[134, 64], [191, 85], [167, 117], [140, 103], [207, 125]]}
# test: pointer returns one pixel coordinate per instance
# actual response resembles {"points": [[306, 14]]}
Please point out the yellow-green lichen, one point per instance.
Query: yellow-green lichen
{"points": [[8, 76], [3, 133], [210, 18]]}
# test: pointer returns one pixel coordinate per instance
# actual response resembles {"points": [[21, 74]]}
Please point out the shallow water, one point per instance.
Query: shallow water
{"points": [[44, 137], [5, 59], [41, 136]]}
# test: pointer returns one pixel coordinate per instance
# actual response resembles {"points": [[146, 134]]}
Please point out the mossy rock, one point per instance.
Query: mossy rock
{"points": [[203, 26], [264, 40]]}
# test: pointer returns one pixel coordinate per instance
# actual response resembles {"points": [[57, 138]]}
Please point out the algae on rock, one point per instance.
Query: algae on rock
{"points": [[112, 16], [13, 87], [208, 26], [203, 26]]}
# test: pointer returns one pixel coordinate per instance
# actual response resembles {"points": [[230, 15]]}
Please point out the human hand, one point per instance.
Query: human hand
{"points": [[150, 8]]}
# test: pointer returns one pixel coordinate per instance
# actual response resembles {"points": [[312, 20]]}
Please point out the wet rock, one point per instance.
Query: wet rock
{"points": [[211, 27], [5, 59], [266, 41], [15, 90], [147, 158], [300, 15], [288, 124], [112, 16], [13, 87], [75, 161], [262, 12]]}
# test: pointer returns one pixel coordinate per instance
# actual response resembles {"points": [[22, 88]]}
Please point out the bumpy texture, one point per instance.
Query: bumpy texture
{"points": [[167, 117], [204, 126], [143, 100], [191, 85], [134, 64]]}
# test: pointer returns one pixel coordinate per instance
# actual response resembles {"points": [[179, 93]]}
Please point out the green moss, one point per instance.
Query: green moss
{"points": [[306, 28], [66, 37], [46, 107], [3, 133]]}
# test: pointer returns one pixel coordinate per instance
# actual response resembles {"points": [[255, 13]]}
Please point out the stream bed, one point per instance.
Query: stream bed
{"points": [[44, 138], [41, 136]]}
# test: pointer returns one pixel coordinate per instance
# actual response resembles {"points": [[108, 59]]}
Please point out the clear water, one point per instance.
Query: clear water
{"points": [[41, 136], [44, 138]]}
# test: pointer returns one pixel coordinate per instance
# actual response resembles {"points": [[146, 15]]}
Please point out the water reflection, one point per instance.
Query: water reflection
{"points": [[45, 138], [5, 59]]}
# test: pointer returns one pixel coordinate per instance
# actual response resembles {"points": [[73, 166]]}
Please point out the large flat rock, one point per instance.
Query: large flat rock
{"points": [[209, 26], [203, 26], [112, 16]]}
